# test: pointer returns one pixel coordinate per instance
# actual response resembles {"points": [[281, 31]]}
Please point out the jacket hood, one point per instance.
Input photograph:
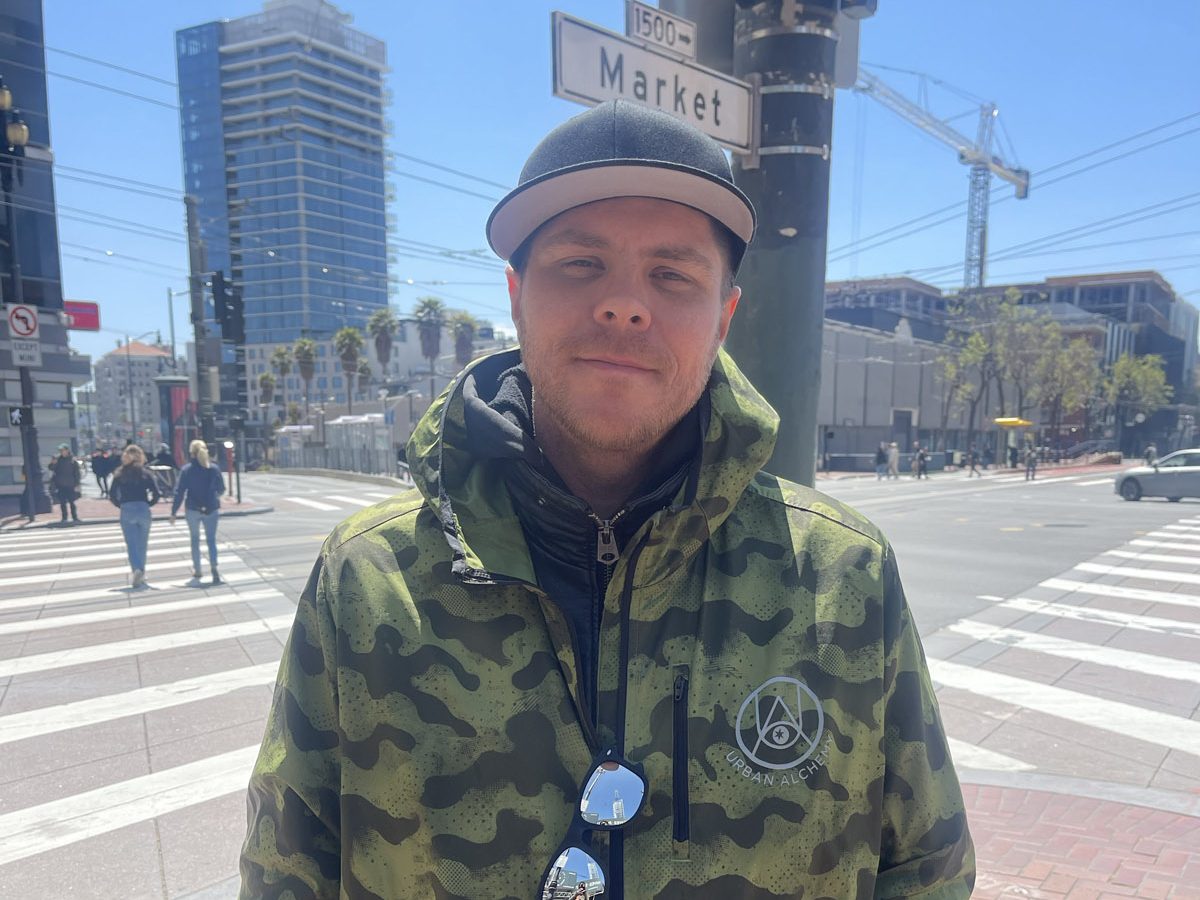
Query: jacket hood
{"points": [[467, 492]]}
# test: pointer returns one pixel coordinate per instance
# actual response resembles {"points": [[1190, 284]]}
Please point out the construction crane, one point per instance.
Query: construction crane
{"points": [[977, 154]]}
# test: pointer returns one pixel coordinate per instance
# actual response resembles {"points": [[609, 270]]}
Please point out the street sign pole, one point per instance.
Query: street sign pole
{"points": [[789, 48]]}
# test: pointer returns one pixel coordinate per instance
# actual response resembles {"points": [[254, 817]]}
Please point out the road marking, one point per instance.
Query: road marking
{"points": [[1176, 539], [17, 553], [1152, 624], [153, 567], [70, 560], [968, 756], [315, 504], [131, 612], [79, 656], [1128, 593], [1191, 529], [1083, 709], [354, 501], [378, 495], [1129, 660], [49, 720], [59, 823], [114, 592], [1154, 557], [1168, 545], [1108, 480], [1133, 572]]}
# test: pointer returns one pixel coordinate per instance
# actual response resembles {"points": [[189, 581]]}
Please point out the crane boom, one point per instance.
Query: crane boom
{"points": [[977, 154]]}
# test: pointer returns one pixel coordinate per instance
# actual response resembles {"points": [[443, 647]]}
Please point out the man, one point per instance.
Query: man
{"points": [[595, 576], [64, 481], [973, 461]]}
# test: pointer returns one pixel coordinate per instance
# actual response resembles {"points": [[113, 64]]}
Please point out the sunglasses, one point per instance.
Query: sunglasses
{"points": [[609, 799]]}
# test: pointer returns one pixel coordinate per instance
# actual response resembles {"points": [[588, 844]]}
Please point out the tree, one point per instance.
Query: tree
{"points": [[1136, 385], [1066, 380], [266, 388], [304, 351], [347, 344], [382, 328], [364, 375], [293, 413], [430, 314], [463, 326], [281, 364], [1022, 337], [953, 378]]}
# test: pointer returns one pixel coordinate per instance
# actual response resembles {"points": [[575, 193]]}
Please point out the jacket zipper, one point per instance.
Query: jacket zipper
{"points": [[679, 760]]}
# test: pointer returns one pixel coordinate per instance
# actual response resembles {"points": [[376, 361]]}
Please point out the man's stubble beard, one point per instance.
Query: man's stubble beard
{"points": [[551, 402]]}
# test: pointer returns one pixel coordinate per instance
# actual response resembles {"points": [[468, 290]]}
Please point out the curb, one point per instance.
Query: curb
{"points": [[385, 480], [1160, 799], [10, 525]]}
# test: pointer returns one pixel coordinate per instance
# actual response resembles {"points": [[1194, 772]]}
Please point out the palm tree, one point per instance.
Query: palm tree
{"points": [[430, 314], [346, 344], [266, 388], [364, 375], [463, 327], [281, 362], [304, 351], [382, 328]]}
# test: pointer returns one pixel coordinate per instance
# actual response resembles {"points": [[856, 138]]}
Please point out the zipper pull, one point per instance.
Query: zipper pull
{"points": [[680, 686], [606, 543]]}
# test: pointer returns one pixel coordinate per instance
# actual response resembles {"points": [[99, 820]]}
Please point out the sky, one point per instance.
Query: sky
{"points": [[472, 93]]}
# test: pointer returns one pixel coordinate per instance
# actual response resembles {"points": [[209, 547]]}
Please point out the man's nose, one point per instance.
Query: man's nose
{"points": [[623, 307]]}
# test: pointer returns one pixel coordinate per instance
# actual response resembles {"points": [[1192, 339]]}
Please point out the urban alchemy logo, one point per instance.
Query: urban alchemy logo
{"points": [[779, 726]]}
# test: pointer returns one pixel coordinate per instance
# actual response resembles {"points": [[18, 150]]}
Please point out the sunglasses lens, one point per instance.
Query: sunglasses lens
{"points": [[574, 875], [612, 796]]}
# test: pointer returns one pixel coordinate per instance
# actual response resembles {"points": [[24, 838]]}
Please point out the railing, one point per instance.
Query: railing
{"points": [[344, 459]]}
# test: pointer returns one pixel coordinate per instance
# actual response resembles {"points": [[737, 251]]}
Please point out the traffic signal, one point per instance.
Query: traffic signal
{"points": [[228, 309]]}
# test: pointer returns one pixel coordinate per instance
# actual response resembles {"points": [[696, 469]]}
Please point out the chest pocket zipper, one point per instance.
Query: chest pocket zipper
{"points": [[679, 759]]}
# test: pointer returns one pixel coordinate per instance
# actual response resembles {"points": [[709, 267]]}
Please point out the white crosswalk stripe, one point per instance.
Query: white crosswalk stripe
{"points": [[1152, 624], [353, 501], [315, 504], [1127, 593]]}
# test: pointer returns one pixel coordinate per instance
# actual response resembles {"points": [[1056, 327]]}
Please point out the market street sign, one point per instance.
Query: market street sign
{"points": [[593, 65], [651, 25], [84, 315]]}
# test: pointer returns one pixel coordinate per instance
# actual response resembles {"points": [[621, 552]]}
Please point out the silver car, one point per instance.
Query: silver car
{"points": [[1174, 476]]}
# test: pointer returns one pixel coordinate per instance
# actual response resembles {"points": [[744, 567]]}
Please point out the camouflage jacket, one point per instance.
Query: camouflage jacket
{"points": [[757, 658]]}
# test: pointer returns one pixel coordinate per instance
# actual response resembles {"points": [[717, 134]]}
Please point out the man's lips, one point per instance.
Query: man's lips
{"points": [[617, 363]]}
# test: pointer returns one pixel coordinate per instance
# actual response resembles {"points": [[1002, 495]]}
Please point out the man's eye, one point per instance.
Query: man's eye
{"points": [[671, 275], [582, 264]]}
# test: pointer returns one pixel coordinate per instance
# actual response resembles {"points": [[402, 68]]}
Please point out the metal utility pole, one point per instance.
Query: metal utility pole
{"points": [[198, 264], [787, 49]]}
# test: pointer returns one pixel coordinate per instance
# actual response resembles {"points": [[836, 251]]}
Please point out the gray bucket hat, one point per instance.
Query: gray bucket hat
{"points": [[621, 149]]}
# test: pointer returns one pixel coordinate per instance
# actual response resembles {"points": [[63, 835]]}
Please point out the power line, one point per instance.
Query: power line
{"points": [[1103, 267], [91, 59], [837, 254], [95, 84], [433, 165]]}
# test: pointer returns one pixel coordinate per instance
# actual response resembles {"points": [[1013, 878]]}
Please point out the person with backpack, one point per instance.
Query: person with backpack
{"points": [[133, 491], [64, 481], [199, 488]]}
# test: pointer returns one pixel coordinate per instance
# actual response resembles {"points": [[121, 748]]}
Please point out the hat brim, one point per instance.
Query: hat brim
{"points": [[536, 202]]}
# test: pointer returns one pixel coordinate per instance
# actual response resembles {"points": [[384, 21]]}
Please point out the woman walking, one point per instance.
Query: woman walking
{"points": [[199, 488], [133, 490], [64, 481]]}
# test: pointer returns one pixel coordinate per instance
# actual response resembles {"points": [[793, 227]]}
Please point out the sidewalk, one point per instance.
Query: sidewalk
{"points": [[96, 511], [1045, 845], [1044, 470]]}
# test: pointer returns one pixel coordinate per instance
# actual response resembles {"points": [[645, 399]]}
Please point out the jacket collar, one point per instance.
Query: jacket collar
{"points": [[466, 490]]}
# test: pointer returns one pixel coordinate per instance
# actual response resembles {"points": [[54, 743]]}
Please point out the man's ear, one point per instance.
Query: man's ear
{"points": [[514, 291], [728, 307]]}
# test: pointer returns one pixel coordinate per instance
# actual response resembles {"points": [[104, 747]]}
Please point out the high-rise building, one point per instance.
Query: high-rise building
{"points": [[28, 225], [282, 123]]}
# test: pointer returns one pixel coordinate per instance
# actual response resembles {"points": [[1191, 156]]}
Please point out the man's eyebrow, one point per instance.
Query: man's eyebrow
{"points": [[574, 237], [683, 254]]}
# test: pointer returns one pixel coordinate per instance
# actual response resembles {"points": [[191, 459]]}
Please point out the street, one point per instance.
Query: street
{"points": [[1062, 627]]}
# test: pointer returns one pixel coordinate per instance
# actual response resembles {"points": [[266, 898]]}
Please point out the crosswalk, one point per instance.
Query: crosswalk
{"points": [[1092, 673], [332, 502], [123, 710], [126, 712]]}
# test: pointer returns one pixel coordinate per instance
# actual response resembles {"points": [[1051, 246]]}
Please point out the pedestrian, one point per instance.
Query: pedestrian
{"points": [[1014, 456], [64, 481], [134, 492], [881, 461], [1151, 454], [922, 463], [597, 570], [893, 460], [96, 464], [199, 488], [973, 462], [164, 457], [1031, 461], [580, 892]]}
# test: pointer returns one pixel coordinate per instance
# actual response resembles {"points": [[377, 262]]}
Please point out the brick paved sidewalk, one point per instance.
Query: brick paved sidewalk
{"points": [[1045, 846], [95, 511]]}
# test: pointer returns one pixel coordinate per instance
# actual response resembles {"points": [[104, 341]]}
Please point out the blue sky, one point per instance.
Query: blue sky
{"points": [[472, 92]]}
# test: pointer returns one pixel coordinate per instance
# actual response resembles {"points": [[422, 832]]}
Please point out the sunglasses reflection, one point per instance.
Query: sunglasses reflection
{"points": [[611, 796], [574, 876]]}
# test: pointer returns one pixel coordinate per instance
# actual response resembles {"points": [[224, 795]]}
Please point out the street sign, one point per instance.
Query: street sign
{"points": [[593, 65], [650, 25], [22, 321], [19, 415], [26, 353], [84, 315]]}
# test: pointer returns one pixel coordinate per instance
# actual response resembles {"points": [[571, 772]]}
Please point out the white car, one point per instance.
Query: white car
{"points": [[1174, 476]]}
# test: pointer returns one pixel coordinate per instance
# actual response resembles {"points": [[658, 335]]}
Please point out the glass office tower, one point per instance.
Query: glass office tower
{"points": [[282, 118]]}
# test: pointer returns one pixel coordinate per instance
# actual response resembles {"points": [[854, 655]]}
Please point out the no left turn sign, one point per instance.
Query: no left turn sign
{"points": [[23, 321]]}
